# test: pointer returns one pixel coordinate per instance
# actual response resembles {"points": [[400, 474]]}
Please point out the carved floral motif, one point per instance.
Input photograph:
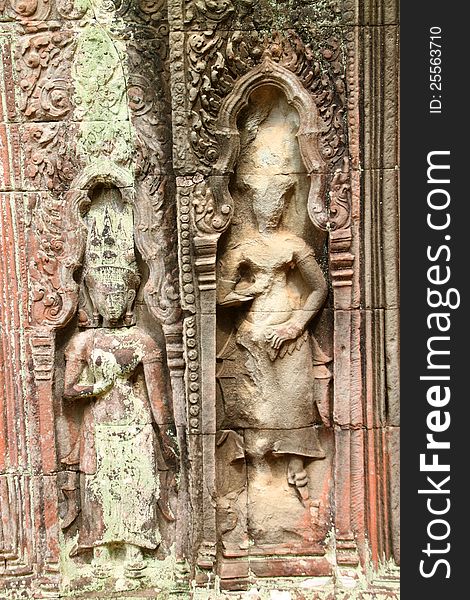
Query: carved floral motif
{"points": [[145, 11], [28, 10], [229, 14], [155, 236], [98, 76], [49, 162], [215, 62], [31, 12], [73, 9], [207, 219], [340, 197], [148, 100], [44, 75], [99, 140], [53, 252]]}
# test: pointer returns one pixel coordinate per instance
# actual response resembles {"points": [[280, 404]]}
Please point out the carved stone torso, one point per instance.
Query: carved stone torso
{"points": [[112, 354], [264, 388], [116, 354], [267, 259], [117, 445]]}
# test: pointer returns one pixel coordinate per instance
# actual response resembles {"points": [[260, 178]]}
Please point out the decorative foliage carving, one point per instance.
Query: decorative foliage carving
{"points": [[154, 239], [207, 217], [307, 17], [141, 11], [148, 102], [44, 75], [47, 299], [232, 15], [206, 88], [208, 10], [28, 10], [155, 234], [106, 142], [55, 251], [72, 9], [101, 96], [31, 12], [340, 197], [49, 162], [151, 12], [215, 63]]}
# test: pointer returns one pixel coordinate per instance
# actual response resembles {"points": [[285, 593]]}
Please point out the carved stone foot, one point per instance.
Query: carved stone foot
{"points": [[135, 563], [206, 556], [100, 570], [100, 565], [134, 570]]}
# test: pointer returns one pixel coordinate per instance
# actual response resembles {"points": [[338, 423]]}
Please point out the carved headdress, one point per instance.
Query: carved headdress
{"points": [[110, 257], [110, 254]]}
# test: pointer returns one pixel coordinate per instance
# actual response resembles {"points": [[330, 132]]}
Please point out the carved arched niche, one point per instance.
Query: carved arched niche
{"points": [[270, 73], [274, 444]]}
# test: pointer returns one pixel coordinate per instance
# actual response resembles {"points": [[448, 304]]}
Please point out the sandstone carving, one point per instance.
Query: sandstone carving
{"points": [[126, 443], [269, 289], [195, 361]]}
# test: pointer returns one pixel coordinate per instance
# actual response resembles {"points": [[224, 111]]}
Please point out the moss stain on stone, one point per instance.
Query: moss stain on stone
{"points": [[99, 80]]}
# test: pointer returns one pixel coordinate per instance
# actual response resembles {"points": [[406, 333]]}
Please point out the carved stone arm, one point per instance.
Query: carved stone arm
{"points": [[227, 275], [73, 389], [314, 278], [228, 279], [161, 411]]}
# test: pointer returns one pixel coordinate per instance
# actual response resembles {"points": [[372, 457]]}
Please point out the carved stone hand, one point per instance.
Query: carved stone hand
{"points": [[103, 386], [278, 335]]}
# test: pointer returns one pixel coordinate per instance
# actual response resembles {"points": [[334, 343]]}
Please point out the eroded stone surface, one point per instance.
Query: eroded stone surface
{"points": [[193, 396]]}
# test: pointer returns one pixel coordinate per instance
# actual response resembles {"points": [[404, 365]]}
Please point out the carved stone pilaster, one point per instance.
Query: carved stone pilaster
{"points": [[205, 251], [380, 275]]}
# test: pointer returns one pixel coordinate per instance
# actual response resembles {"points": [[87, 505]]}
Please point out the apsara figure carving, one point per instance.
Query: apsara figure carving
{"points": [[267, 366], [273, 399], [126, 445]]}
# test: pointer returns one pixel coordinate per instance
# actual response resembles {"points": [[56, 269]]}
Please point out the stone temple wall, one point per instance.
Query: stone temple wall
{"points": [[199, 299]]}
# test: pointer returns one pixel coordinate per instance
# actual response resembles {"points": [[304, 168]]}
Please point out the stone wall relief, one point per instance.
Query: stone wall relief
{"points": [[255, 124], [270, 181], [272, 373], [116, 431], [83, 71]]}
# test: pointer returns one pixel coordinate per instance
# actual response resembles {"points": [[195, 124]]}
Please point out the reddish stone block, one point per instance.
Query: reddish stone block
{"points": [[185, 365]]}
